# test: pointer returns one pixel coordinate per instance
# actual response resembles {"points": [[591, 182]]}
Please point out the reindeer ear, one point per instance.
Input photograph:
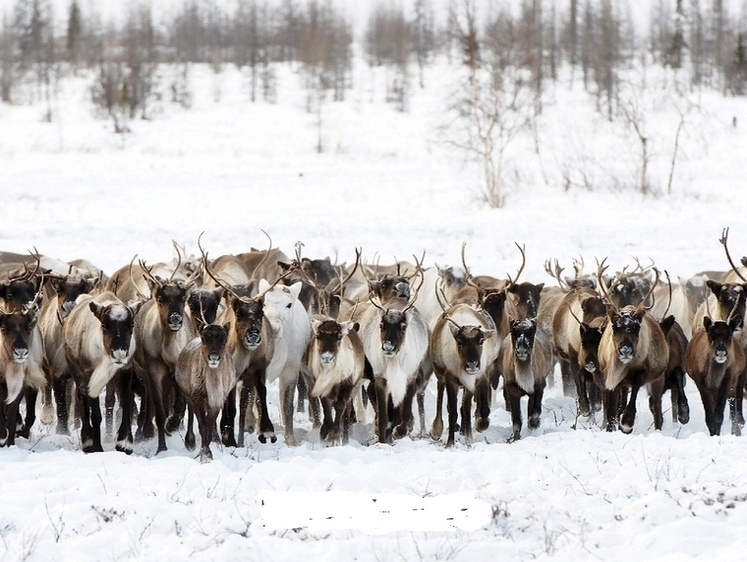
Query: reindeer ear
{"points": [[707, 323], [540, 286], [219, 293], [736, 323], [453, 328], [263, 285], [714, 286], [92, 283], [295, 289], [96, 308], [583, 327], [226, 327], [345, 327], [488, 333], [315, 323], [667, 324], [135, 306], [284, 266]]}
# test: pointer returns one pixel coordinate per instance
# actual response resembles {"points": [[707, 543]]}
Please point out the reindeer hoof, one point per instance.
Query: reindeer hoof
{"points": [[189, 442], [514, 438], [400, 432], [205, 456], [534, 422], [228, 440], [684, 415], [124, 446], [481, 424]]}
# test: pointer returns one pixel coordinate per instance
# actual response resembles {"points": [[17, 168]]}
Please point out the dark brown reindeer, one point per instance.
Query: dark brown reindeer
{"points": [[335, 361], [99, 343], [19, 367], [632, 353], [525, 361], [205, 374], [161, 333], [715, 360]]}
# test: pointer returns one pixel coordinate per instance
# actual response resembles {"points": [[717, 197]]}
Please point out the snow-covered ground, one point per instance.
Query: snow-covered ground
{"points": [[386, 182]]}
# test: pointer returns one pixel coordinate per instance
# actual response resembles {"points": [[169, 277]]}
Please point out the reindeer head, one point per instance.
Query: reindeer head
{"points": [[278, 303], [526, 297], [591, 335], [625, 324], [249, 315], [68, 289], [392, 326], [117, 327], [522, 337], [469, 342], [453, 279], [720, 336], [214, 338], [730, 297], [328, 335], [171, 298], [203, 306], [16, 329]]}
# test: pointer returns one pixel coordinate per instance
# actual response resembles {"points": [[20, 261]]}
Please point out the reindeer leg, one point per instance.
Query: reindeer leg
{"points": [[206, 423], [451, 408], [611, 409], [627, 420], [735, 406], [437, 427], [59, 387], [584, 406], [266, 429], [566, 375], [382, 410], [467, 416], [287, 387], [654, 402], [406, 420], [420, 396], [514, 396], [127, 400], [12, 420], [534, 408], [683, 408], [47, 414], [340, 408], [303, 394], [95, 407], [228, 415], [31, 395], [327, 424], [109, 401], [482, 403]]}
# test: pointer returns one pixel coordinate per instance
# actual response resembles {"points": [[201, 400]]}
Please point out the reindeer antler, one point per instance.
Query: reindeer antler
{"points": [[556, 273], [523, 263], [212, 276], [724, 242], [134, 284]]}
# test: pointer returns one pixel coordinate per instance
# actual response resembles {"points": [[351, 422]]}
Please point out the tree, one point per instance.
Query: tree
{"points": [[74, 36], [388, 43], [492, 106]]}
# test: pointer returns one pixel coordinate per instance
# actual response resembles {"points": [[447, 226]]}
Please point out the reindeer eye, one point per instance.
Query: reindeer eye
{"points": [[289, 305], [159, 300]]}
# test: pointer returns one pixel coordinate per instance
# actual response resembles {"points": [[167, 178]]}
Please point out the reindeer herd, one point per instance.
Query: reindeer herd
{"points": [[203, 338]]}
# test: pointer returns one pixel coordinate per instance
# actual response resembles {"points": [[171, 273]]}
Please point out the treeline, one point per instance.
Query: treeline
{"points": [[596, 39]]}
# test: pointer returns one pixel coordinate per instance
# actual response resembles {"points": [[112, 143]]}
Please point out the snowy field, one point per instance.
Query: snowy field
{"points": [[387, 183]]}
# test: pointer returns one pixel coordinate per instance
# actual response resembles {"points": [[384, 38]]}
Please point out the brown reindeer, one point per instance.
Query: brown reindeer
{"points": [[205, 374], [464, 344], [715, 361], [525, 360], [19, 367], [335, 361], [632, 353]]}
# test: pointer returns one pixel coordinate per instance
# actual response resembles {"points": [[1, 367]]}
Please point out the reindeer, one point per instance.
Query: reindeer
{"points": [[251, 343], [335, 362], [205, 374], [99, 343], [51, 319], [581, 304], [715, 360], [463, 347], [19, 367], [395, 340], [525, 360], [161, 334], [632, 353]]}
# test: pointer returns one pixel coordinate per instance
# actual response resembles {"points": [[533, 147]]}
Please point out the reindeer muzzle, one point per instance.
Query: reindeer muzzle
{"points": [[590, 366], [120, 356], [252, 339], [20, 355], [175, 321], [213, 360], [625, 353], [472, 367], [720, 355], [388, 348], [67, 308], [402, 290], [327, 358]]}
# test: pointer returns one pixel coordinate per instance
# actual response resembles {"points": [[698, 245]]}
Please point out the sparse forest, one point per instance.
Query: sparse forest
{"points": [[504, 57]]}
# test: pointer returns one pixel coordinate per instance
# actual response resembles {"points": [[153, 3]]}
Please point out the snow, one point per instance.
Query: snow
{"points": [[386, 182]]}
